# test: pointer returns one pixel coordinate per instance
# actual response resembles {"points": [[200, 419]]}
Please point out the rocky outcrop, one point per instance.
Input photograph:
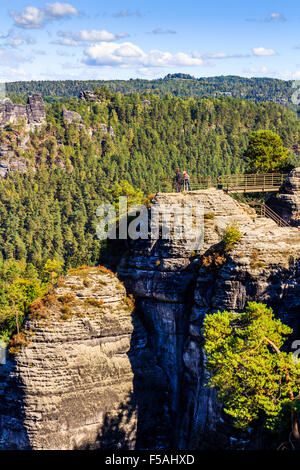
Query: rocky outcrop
{"points": [[70, 116], [10, 160], [174, 292], [88, 95], [287, 202], [87, 378], [95, 374], [33, 113], [13, 164], [105, 130]]}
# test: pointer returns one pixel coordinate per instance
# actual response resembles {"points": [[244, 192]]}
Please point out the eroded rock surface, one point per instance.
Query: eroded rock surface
{"points": [[70, 116], [33, 113], [96, 375], [87, 378], [174, 292], [287, 202], [88, 95]]}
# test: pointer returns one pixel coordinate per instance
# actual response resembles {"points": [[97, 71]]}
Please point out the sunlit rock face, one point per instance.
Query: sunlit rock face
{"points": [[32, 114], [287, 202], [87, 378]]}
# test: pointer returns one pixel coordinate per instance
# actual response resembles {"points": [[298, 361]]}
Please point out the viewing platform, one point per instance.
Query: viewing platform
{"points": [[247, 183]]}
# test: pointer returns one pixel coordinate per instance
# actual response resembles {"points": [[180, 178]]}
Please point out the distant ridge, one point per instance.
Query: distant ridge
{"points": [[178, 84]]}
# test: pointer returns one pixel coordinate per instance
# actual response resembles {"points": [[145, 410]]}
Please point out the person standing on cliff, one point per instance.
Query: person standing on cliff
{"points": [[187, 185], [178, 180]]}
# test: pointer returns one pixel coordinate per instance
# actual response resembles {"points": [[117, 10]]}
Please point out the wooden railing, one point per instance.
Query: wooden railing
{"points": [[169, 184], [264, 211], [247, 183], [251, 182]]}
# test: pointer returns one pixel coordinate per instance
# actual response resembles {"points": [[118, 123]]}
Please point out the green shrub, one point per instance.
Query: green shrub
{"points": [[232, 236], [209, 216]]}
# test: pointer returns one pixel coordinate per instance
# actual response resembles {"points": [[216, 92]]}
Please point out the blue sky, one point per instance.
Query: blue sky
{"points": [[92, 39]]}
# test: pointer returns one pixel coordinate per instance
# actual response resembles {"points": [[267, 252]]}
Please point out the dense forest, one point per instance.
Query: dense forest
{"points": [[255, 89], [50, 212]]}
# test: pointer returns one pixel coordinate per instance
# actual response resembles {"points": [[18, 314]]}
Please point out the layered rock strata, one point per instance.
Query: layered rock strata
{"points": [[33, 113], [86, 379], [97, 375], [174, 290]]}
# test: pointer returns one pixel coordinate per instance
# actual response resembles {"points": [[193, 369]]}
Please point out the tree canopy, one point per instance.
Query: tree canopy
{"points": [[257, 382], [266, 151]]}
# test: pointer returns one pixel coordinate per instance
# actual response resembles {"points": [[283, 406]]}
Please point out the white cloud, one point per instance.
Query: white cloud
{"points": [[163, 31], [13, 74], [35, 18], [87, 36], [288, 75], [223, 55], [128, 54], [125, 12], [122, 35], [95, 36], [64, 53], [40, 52], [218, 56], [262, 52], [276, 16], [65, 42], [262, 70], [59, 10], [28, 18], [12, 59], [273, 17], [18, 40]]}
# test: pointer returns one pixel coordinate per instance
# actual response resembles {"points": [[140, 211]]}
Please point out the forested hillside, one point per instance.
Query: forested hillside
{"points": [[255, 89], [75, 161], [50, 212]]}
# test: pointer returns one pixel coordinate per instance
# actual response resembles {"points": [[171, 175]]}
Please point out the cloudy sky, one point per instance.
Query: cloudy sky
{"points": [[121, 39]]}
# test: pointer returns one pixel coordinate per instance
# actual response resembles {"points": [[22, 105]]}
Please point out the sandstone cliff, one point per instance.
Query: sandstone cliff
{"points": [[87, 378], [287, 202], [95, 374], [33, 113], [174, 291]]}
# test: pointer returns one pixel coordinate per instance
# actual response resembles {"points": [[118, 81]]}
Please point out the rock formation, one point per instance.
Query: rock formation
{"points": [[12, 164], [287, 202], [70, 116], [87, 378], [88, 95], [105, 130], [10, 159], [33, 113], [146, 103], [96, 375], [174, 291]]}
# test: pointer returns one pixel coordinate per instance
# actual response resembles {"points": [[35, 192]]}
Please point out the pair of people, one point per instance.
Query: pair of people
{"points": [[181, 179]]}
